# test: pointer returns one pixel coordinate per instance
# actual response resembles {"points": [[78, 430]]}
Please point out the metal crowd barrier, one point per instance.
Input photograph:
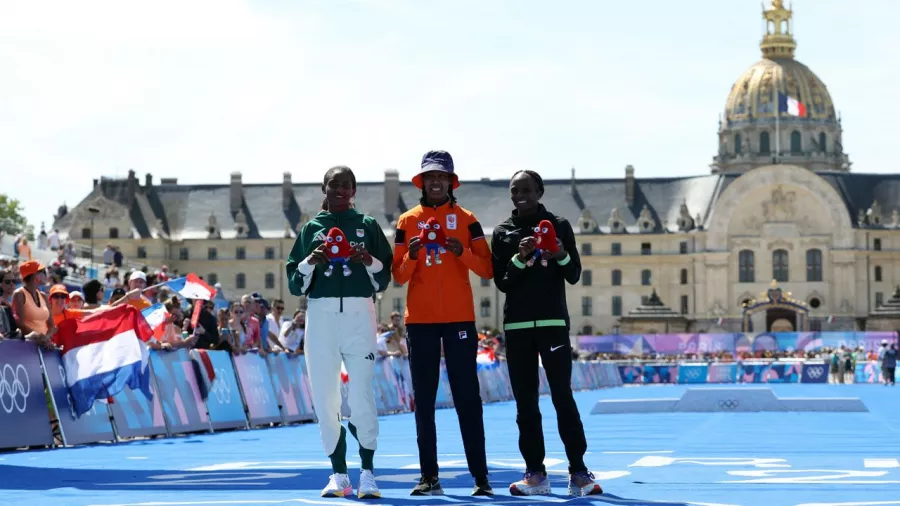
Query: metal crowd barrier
{"points": [[248, 391], [750, 371]]}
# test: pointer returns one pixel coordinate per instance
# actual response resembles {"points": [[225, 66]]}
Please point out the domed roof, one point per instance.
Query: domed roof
{"points": [[755, 94]]}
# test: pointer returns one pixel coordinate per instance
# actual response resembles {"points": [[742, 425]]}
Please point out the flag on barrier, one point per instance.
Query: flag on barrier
{"points": [[103, 353], [204, 370]]}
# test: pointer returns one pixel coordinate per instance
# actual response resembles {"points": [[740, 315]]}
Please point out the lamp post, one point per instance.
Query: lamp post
{"points": [[94, 212]]}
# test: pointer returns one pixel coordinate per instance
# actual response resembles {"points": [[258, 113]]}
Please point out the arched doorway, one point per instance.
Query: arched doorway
{"points": [[783, 312]]}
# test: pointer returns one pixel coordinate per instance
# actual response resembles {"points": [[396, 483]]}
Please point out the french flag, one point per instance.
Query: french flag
{"points": [[157, 317], [103, 353], [791, 105], [192, 287]]}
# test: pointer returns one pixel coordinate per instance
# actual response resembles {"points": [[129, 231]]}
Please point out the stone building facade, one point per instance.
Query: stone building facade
{"points": [[711, 246]]}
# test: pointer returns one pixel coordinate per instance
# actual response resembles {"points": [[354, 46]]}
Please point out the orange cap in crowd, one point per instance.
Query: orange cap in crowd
{"points": [[30, 267], [59, 290]]}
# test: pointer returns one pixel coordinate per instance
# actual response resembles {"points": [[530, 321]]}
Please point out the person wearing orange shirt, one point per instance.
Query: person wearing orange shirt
{"points": [[440, 313], [137, 283]]}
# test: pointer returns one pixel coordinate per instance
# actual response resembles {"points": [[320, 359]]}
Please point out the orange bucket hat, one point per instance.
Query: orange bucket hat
{"points": [[30, 267]]}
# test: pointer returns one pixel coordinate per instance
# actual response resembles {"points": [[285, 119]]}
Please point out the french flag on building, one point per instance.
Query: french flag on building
{"points": [[791, 105], [192, 287], [103, 353], [157, 317]]}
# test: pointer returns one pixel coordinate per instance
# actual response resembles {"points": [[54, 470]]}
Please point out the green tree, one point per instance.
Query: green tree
{"points": [[12, 221]]}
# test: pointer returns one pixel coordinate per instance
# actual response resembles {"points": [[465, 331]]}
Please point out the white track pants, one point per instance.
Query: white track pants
{"points": [[333, 336]]}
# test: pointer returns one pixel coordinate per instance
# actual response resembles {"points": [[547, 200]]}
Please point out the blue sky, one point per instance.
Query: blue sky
{"points": [[198, 89]]}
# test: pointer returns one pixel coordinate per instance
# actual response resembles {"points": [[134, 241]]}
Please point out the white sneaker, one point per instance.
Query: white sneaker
{"points": [[367, 489], [338, 486]]}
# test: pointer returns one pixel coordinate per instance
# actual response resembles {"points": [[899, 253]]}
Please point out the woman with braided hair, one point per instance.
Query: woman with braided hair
{"points": [[536, 323]]}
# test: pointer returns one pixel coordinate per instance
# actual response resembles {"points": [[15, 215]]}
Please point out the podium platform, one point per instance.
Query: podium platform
{"points": [[730, 400]]}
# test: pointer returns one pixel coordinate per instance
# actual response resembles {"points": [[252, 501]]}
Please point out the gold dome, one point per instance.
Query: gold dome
{"points": [[755, 94]]}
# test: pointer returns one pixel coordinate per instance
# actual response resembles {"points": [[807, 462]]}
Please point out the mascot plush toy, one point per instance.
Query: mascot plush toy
{"points": [[545, 236], [433, 238], [338, 250]]}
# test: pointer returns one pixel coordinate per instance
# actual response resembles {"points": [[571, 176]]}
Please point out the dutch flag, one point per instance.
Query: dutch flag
{"points": [[103, 353], [192, 287], [791, 105], [157, 317]]}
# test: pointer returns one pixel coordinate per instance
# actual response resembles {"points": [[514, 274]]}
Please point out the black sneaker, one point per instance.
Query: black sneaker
{"points": [[428, 486], [482, 487]]}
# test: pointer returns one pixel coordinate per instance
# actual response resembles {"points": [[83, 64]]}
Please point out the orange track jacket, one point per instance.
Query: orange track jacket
{"points": [[440, 293]]}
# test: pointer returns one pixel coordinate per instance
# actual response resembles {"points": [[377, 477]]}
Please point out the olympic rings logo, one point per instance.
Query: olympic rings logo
{"points": [[728, 404], [815, 372], [14, 383], [221, 389], [692, 372]]}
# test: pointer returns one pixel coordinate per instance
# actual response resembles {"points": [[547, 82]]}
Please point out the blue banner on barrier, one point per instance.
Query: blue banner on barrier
{"points": [[135, 416], [176, 382], [444, 398], [871, 372], [660, 373], [256, 385], [224, 403], [93, 426], [631, 374], [722, 372], [692, 373], [814, 373], [288, 380], [24, 415]]}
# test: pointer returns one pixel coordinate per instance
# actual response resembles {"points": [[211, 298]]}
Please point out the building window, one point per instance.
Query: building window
{"points": [[876, 244], [646, 277], [615, 249], [141, 252], [114, 233], [241, 253], [485, 282], [270, 281], [746, 267], [877, 273], [814, 265], [617, 305], [586, 249], [683, 247], [879, 299], [212, 278], [780, 270], [397, 305], [616, 278], [815, 325], [184, 254], [85, 233], [212, 254], [764, 148], [270, 253], [587, 330], [737, 144], [240, 281], [485, 307], [684, 304], [684, 276], [587, 306], [587, 278], [646, 249], [823, 147], [796, 143]]}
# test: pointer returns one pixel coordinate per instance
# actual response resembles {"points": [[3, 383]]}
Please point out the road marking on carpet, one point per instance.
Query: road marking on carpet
{"points": [[881, 463]]}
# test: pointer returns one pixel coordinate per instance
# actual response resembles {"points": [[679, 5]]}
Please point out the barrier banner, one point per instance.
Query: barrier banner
{"points": [[256, 385], [722, 372], [543, 384], [444, 398], [176, 382], [871, 372], [494, 387], [305, 401], [631, 374], [135, 416], [287, 382], [792, 372], [814, 373], [692, 373], [24, 415], [607, 374], [773, 373], [752, 372], [224, 403], [403, 379], [387, 399], [660, 373], [91, 427]]}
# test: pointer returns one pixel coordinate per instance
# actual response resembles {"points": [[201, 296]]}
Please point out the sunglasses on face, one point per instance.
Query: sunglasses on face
{"points": [[9, 281], [279, 308]]}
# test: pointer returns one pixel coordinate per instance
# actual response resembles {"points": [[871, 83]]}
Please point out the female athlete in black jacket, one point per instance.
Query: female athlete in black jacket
{"points": [[536, 322]]}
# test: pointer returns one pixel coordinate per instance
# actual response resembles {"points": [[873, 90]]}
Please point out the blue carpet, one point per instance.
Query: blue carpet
{"points": [[766, 459]]}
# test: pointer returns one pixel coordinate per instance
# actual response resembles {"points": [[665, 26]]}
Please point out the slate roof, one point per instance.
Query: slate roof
{"points": [[184, 210]]}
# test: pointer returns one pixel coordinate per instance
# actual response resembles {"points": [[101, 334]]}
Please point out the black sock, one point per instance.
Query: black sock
{"points": [[339, 457], [366, 455]]}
